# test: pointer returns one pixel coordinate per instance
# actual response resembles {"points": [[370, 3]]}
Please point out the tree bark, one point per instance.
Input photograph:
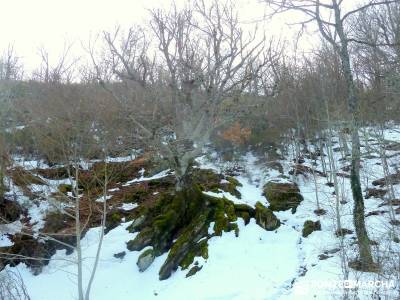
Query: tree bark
{"points": [[366, 260]]}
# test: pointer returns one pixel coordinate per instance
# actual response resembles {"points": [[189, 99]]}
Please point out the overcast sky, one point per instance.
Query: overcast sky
{"points": [[30, 24]]}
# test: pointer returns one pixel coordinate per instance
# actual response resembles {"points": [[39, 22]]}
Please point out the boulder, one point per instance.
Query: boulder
{"points": [[142, 240], [193, 271], [282, 195], [343, 232], [120, 255], [145, 260], [310, 226], [266, 218]]}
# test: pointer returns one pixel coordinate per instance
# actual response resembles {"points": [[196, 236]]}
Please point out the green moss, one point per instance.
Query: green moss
{"points": [[221, 221], [199, 249], [65, 188], [165, 221], [171, 213], [178, 221], [233, 181], [204, 249], [146, 252], [230, 210], [235, 227], [116, 217]]}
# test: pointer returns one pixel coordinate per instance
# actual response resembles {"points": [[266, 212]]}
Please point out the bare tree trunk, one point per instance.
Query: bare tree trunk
{"points": [[366, 260], [333, 174], [78, 234], [101, 238], [322, 154]]}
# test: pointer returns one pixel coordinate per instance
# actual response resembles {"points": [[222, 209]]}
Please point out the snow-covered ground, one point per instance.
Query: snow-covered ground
{"points": [[257, 264]]}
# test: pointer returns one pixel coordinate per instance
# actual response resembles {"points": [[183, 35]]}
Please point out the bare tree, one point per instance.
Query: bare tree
{"points": [[10, 65], [205, 58], [55, 72], [331, 18]]}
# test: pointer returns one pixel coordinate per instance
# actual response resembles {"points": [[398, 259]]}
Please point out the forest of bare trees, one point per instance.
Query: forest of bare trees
{"points": [[194, 79]]}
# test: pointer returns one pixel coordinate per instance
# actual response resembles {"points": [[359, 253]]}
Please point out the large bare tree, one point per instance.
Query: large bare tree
{"points": [[203, 58]]}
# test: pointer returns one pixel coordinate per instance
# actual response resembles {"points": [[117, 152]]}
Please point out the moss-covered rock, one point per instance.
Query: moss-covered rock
{"points": [[208, 180], [170, 214], [282, 195], [184, 244], [179, 222], [198, 249], [136, 224], [142, 240], [310, 226], [145, 260], [231, 186], [266, 218], [245, 212], [224, 214]]}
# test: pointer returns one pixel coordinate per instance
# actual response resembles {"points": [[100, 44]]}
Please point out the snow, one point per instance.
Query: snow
{"points": [[143, 178], [16, 128], [29, 164], [10, 228], [121, 159], [101, 199], [5, 241], [257, 265], [129, 206], [253, 271], [37, 213]]}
